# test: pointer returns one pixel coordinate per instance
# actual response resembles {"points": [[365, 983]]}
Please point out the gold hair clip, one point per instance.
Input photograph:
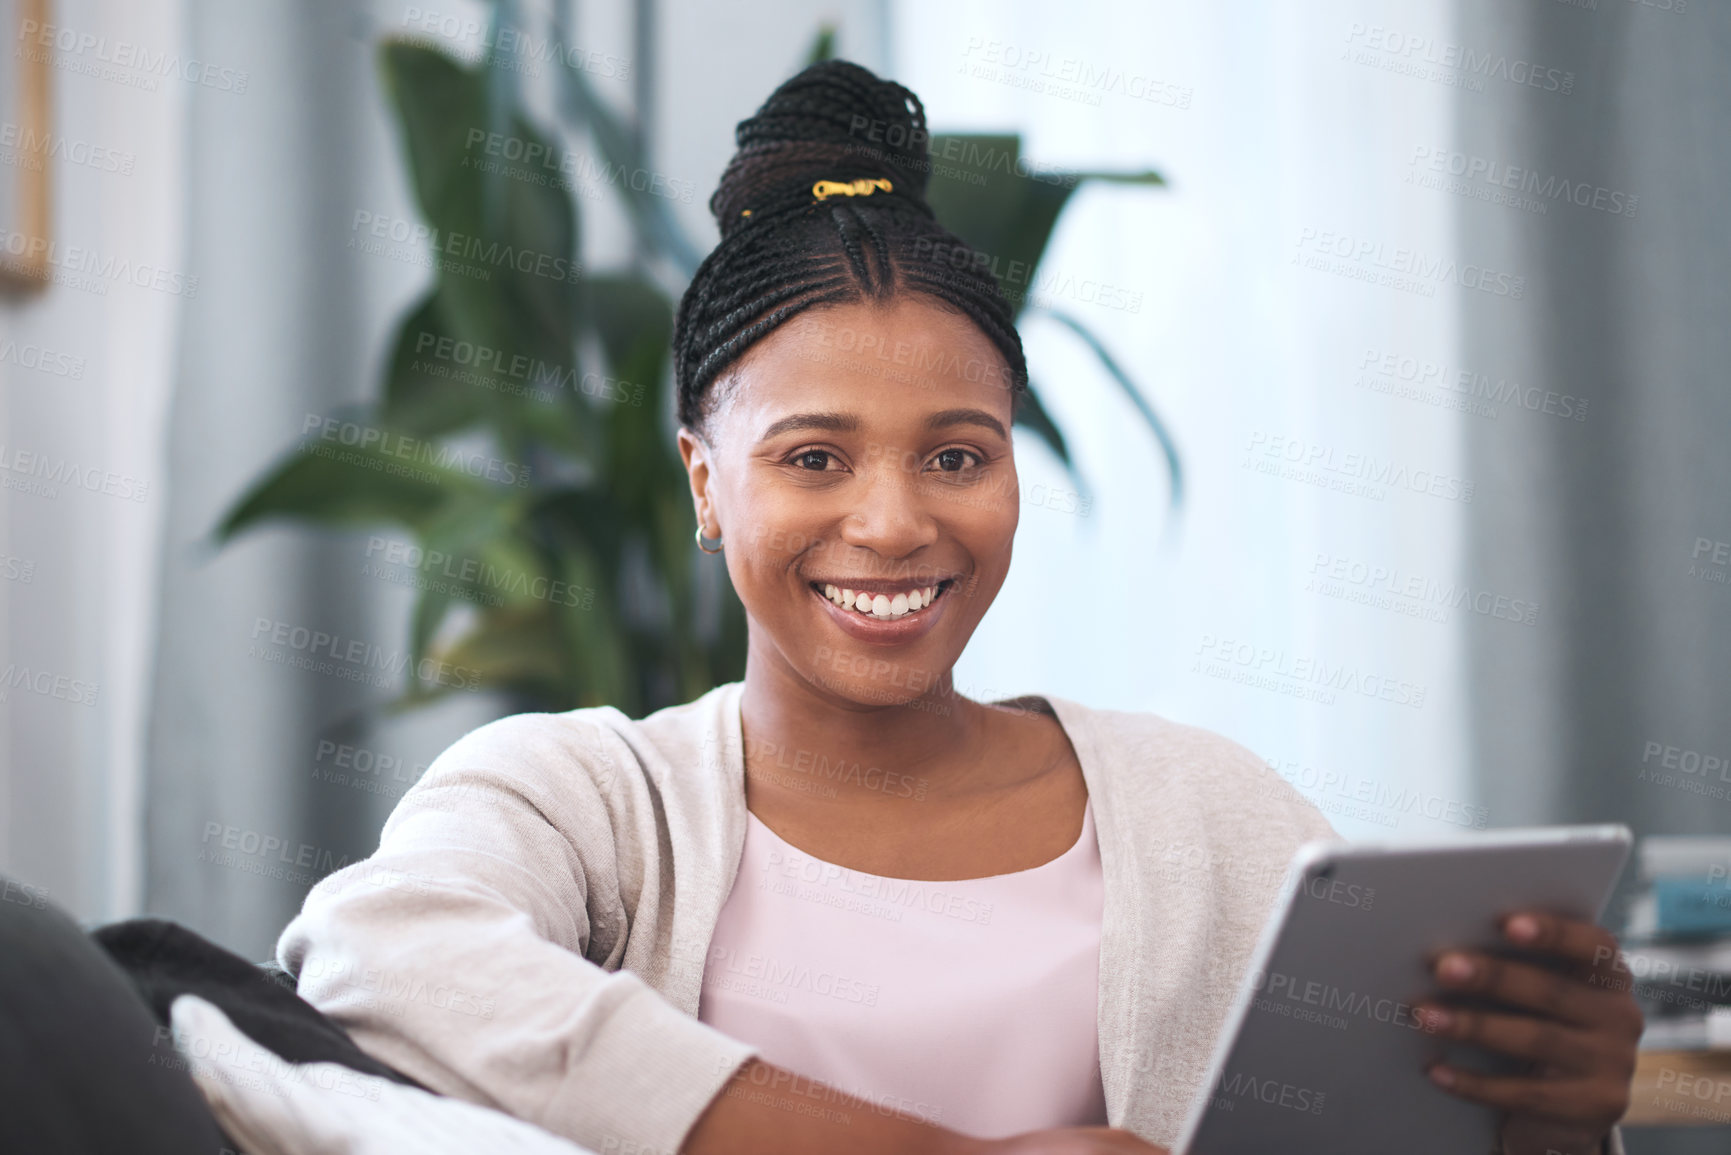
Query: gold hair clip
{"points": [[863, 187], [856, 188]]}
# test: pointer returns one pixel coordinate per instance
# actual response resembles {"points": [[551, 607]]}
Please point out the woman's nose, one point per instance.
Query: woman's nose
{"points": [[892, 515]]}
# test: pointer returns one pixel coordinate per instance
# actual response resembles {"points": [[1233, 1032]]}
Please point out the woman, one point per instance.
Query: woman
{"points": [[839, 906]]}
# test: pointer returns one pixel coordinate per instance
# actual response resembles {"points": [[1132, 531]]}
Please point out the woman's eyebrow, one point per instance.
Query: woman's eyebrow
{"points": [[848, 422], [945, 418], [833, 422]]}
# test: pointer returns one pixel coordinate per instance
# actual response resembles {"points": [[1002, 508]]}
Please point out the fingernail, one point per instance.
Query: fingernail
{"points": [[1454, 968], [1442, 1076], [1437, 1020], [1521, 928]]}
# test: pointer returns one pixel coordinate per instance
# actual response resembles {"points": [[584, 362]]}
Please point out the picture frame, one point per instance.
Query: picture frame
{"points": [[26, 127]]}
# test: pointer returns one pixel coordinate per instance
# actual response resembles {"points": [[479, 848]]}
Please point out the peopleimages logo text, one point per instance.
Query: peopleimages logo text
{"points": [[81, 259], [1485, 65], [1552, 187], [1359, 467], [961, 150], [36, 35], [465, 246], [1373, 254], [415, 449]]}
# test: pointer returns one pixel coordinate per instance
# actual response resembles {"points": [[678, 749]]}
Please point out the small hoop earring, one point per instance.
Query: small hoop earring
{"points": [[703, 547]]}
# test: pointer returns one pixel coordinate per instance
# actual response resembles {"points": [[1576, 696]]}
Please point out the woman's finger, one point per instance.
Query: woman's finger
{"points": [[1564, 1048], [1547, 993], [1587, 945], [1595, 1103]]}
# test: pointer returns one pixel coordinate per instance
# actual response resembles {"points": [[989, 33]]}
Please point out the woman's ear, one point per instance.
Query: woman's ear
{"points": [[696, 456]]}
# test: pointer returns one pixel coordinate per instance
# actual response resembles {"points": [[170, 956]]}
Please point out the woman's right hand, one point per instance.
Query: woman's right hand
{"points": [[1073, 1141]]}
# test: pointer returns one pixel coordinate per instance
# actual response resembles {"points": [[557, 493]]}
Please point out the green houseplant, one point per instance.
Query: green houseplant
{"points": [[568, 570]]}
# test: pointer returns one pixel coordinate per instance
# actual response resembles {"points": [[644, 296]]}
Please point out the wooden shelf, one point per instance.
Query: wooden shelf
{"points": [[1680, 1089]]}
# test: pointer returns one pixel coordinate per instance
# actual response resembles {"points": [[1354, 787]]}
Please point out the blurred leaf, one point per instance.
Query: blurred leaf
{"points": [[344, 487], [1168, 446], [982, 191], [423, 392], [822, 47], [1005, 210], [511, 647], [651, 214], [467, 553], [510, 287], [634, 322], [1031, 412]]}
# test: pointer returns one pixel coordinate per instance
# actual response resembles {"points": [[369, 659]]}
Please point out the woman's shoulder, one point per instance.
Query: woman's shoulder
{"points": [[1159, 764], [538, 751], [534, 744]]}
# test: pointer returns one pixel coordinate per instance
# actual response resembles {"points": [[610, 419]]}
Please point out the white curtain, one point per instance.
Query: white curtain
{"points": [[86, 372], [1615, 710]]}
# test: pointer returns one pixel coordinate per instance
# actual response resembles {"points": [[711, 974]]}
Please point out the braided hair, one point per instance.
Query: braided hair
{"points": [[783, 250]]}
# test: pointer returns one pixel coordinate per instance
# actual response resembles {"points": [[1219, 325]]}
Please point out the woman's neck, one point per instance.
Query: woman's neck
{"points": [[804, 737]]}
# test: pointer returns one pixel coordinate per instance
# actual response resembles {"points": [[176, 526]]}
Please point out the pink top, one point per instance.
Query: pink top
{"points": [[968, 1003]]}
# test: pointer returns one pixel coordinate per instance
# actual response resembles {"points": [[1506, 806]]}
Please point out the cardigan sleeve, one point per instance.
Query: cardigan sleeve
{"points": [[463, 952]]}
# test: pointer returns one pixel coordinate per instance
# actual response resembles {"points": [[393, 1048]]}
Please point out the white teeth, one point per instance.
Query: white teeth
{"points": [[882, 605]]}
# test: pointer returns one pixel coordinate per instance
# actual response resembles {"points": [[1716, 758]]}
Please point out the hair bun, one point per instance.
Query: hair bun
{"points": [[833, 121]]}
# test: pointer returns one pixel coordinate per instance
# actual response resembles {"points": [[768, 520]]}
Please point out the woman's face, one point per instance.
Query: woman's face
{"points": [[864, 447]]}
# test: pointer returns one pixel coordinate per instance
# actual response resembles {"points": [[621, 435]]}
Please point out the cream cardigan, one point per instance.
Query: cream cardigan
{"points": [[531, 933]]}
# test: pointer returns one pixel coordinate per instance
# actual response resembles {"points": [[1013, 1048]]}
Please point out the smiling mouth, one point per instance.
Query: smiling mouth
{"points": [[884, 606]]}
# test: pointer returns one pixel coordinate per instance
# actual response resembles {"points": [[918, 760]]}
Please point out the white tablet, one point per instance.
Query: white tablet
{"points": [[1321, 1053]]}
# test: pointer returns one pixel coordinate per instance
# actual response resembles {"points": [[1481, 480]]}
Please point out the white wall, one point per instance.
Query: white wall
{"points": [[1233, 341]]}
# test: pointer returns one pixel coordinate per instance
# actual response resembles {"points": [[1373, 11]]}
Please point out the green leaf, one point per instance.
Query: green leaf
{"points": [[507, 285], [634, 325], [634, 320], [651, 213], [467, 553], [982, 191], [1032, 413], [425, 389], [510, 648], [1006, 211], [822, 46], [346, 486], [1168, 445]]}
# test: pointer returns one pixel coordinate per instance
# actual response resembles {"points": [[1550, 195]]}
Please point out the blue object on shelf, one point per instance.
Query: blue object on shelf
{"points": [[1692, 906]]}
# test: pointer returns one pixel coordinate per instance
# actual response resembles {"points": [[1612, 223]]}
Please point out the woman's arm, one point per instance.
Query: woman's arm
{"points": [[480, 949], [765, 1110]]}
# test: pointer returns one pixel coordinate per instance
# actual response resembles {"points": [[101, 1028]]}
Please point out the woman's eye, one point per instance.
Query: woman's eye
{"points": [[804, 458], [952, 460]]}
